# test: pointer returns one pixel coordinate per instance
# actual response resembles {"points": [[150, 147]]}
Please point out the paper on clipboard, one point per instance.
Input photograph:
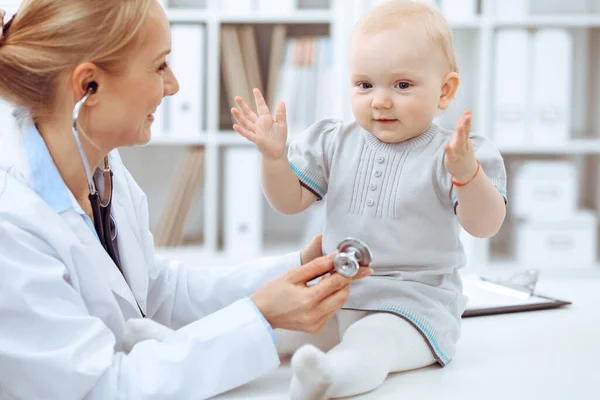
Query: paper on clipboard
{"points": [[488, 298]]}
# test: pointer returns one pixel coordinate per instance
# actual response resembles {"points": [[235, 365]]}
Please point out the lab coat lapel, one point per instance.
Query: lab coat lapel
{"points": [[131, 253], [99, 258]]}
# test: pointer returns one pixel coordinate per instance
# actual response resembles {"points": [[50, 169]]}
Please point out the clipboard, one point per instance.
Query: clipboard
{"points": [[491, 297]]}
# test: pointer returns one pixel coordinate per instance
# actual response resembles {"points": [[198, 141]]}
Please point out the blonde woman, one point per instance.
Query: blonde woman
{"points": [[86, 77]]}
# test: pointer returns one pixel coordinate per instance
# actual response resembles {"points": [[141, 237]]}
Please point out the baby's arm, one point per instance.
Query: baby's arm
{"points": [[282, 187], [279, 183], [481, 206]]}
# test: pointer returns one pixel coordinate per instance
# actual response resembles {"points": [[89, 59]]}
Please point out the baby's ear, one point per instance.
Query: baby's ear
{"points": [[449, 88]]}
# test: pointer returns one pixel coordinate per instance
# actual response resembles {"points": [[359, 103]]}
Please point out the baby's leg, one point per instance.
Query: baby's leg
{"points": [[290, 341], [371, 348]]}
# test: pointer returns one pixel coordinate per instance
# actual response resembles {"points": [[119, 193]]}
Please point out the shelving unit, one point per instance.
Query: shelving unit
{"points": [[474, 39]]}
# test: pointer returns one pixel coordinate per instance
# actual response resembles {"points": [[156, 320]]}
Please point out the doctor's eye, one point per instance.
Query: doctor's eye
{"points": [[365, 85], [403, 85]]}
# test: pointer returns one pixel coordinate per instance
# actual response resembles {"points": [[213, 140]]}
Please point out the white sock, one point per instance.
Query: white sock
{"points": [[311, 377]]}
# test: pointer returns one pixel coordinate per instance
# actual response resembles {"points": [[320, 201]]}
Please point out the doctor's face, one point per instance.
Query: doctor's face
{"points": [[130, 99]]}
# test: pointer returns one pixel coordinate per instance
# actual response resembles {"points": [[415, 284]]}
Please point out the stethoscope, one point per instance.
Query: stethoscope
{"points": [[104, 224]]}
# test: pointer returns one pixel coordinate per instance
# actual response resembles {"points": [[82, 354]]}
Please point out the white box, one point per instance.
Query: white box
{"points": [[545, 190], [236, 6], [187, 62], [459, 10], [570, 242], [277, 6], [243, 203], [511, 87], [511, 9], [552, 85]]}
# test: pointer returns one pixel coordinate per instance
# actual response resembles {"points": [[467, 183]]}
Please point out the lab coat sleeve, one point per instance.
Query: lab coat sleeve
{"points": [[189, 293], [51, 348], [179, 293]]}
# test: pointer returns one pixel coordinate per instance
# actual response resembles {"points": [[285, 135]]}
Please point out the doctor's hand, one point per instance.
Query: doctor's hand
{"points": [[268, 134], [312, 250], [286, 302]]}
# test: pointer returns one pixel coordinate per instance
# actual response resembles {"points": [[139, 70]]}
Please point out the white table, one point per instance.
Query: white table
{"points": [[550, 354]]}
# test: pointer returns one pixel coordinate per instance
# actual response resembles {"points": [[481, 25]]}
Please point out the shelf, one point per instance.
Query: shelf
{"points": [[166, 139], [544, 21], [575, 146], [181, 15], [298, 17], [187, 15], [466, 24]]}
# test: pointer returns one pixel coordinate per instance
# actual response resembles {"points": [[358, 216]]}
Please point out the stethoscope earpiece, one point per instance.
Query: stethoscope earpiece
{"points": [[93, 86]]}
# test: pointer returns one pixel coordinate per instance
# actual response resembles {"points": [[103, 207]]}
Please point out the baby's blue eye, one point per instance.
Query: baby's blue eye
{"points": [[403, 85], [365, 85]]}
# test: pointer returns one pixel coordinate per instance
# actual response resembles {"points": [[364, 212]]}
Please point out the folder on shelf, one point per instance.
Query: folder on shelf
{"points": [[189, 175], [243, 203], [249, 50], [553, 58], [511, 86], [235, 76], [490, 297], [187, 62], [277, 53]]}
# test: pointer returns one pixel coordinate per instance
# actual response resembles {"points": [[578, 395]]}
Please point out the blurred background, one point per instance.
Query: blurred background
{"points": [[529, 72]]}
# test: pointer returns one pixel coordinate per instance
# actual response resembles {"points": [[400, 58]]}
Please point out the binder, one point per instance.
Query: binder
{"points": [[492, 297], [243, 203], [511, 9], [459, 10], [187, 62], [511, 86], [552, 85]]}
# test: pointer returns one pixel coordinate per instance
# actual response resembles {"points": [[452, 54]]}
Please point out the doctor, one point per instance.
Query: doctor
{"points": [[87, 76]]}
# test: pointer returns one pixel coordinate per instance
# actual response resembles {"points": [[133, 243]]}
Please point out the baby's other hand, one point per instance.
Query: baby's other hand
{"points": [[269, 135], [460, 160]]}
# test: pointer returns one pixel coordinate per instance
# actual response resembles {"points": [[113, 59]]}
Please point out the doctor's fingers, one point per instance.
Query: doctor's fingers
{"points": [[329, 285], [248, 113]]}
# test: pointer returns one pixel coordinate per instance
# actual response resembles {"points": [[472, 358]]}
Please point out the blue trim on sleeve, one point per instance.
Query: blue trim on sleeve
{"points": [[269, 327], [307, 180]]}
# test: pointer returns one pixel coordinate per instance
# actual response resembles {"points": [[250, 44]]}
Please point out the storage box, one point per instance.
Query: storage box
{"points": [[570, 242], [545, 190]]}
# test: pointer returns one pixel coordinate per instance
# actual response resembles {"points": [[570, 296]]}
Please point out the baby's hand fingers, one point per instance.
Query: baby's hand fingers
{"points": [[245, 133], [242, 120], [261, 105], [248, 113]]}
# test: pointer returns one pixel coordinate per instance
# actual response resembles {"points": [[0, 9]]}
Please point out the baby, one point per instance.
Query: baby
{"points": [[398, 182]]}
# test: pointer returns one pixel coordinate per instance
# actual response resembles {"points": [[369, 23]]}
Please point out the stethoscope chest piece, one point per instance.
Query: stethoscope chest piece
{"points": [[352, 254]]}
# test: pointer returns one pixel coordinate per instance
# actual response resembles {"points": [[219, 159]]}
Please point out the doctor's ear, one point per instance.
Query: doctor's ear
{"points": [[86, 79]]}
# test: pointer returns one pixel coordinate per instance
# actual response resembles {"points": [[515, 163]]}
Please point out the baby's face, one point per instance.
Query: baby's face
{"points": [[397, 77]]}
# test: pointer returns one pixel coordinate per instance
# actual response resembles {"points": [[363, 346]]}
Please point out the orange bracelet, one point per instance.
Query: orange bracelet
{"points": [[469, 181]]}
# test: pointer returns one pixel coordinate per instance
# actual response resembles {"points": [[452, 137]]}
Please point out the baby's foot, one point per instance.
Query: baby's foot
{"points": [[312, 375]]}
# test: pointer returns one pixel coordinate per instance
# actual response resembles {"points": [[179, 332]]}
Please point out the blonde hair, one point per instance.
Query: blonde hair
{"points": [[49, 38], [393, 13]]}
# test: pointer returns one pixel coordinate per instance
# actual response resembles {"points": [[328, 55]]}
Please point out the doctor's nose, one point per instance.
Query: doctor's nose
{"points": [[381, 100], [171, 84]]}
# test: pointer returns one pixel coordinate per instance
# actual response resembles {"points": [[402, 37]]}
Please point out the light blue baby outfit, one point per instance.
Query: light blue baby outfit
{"points": [[397, 198]]}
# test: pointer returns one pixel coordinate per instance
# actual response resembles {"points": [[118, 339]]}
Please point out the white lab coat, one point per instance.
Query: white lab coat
{"points": [[64, 303]]}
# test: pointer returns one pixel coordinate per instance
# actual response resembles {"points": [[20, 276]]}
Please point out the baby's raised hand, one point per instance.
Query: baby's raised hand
{"points": [[269, 135], [460, 160]]}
